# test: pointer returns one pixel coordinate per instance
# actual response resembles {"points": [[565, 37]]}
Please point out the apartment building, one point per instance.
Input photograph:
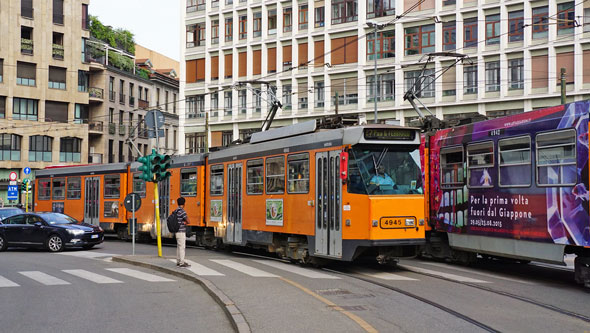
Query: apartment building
{"points": [[319, 56], [43, 85]]}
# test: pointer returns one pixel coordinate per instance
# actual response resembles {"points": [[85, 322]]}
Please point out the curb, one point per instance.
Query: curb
{"points": [[237, 319]]}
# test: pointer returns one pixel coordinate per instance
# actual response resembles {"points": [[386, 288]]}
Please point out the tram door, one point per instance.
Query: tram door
{"points": [[92, 200], [328, 230], [234, 203]]}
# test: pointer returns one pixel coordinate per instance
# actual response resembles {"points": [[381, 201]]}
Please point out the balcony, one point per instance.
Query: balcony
{"points": [[122, 99], [58, 52], [26, 46], [131, 101], [143, 104], [131, 130], [96, 127], [96, 94], [122, 129], [112, 96], [112, 128], [95, 158]]}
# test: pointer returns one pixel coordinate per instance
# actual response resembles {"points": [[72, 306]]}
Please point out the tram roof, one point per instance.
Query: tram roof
{"points": [[81, 169]]}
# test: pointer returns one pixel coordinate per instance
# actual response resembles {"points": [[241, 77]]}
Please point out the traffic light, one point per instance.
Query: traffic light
{"points": [[145, 168], [26, 185], [159, 166]]}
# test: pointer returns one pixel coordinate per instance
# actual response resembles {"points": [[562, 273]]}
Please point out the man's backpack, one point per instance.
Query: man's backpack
{"points": [[172, 222]]}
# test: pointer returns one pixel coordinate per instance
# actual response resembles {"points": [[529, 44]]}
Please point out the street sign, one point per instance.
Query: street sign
{"points": [[129, 203], [27, 170], [152, 133], [152, 122], [12, 192], [13, 176], [12, 182]]}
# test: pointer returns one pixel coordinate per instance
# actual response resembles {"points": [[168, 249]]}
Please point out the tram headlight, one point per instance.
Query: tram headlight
{"points": [[409, 222]]}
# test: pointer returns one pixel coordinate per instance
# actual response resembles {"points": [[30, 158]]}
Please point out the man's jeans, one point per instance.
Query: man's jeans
{"points": [[180, 246]]}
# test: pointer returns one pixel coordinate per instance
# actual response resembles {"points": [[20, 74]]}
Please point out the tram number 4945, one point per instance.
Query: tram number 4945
{"points": [[388, 222]]}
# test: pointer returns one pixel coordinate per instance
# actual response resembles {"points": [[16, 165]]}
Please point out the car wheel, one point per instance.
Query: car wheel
{"points": [[88, 247], [55, 243], [3, 243]]}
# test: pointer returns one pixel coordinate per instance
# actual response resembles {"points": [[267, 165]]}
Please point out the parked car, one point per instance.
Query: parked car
{"points": [[53, 231], [9, 211]]}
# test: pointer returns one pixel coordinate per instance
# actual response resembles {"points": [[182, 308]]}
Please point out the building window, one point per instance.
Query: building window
{"points": [[85, 21], [298, 173], [26, 40], [1, 70], [24, 109], [319, 92], [287, 19], [385, 45], [70, 149], [384, 89], [254, 176], [566, 18], [194, 5], [493, 76], [83, 81], [302, 95], [81, 114], [275, 175], [227, 103], [303, 17], [229, 27], [287, 93], [344, 11], [379, 8], [226, 138], [426, 89], [174, 103], [242, 97], [215, 32], [319, 17], [26, 74], [493, 29], [419, 39], [272, 21], [516, 73], [257, 32], [195, 35], [188, 182], [214, 104], [541, 22], [346, 89], [2, 107], [214, 3], [257, 100], [449, 36], [57, 78], [58, 12], [195, 143], [470, 79], [515, 26], [10, 147], [470, 32], [57, 51], [243, 26], [26, 8]]}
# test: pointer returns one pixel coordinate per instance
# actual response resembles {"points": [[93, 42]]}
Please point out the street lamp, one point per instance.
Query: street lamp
{"points": [[376, 26]]}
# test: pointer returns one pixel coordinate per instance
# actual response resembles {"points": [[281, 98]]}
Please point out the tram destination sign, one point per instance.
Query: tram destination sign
{"points": [[389, 134]]}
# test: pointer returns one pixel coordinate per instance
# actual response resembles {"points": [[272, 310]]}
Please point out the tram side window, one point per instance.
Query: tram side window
{"points": [[298, 175], [515, 161], [138, 184], [451, 167], [275, 175], [217, 179], [480, 160], [44, 191], [556, 158], [255, 177], [111, 209], [74, 188], [58, 189], [188, 182], [111, 186]]}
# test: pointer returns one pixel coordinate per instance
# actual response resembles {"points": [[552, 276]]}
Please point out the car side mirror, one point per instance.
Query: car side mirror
{"points": [[38, 224]]}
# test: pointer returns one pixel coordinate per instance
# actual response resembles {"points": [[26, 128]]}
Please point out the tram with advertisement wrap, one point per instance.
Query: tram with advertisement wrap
{"points": [[513, 187], [304, 192]]}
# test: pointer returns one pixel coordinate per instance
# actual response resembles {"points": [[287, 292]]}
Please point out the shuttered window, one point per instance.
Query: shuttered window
{"points": [[449, 82], [242, 64], [200, 69], [56, 111], [302, 54], [344, 50], [191, 71], [540, 75], [287, 56], [26, 73], [215, 68], [318, 53], [565, 60], [257, 61], [57, 78], [272, 60], [228, 66]]}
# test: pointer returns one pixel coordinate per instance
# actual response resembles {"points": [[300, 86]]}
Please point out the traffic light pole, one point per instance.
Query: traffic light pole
{"points": [[156, 192]]}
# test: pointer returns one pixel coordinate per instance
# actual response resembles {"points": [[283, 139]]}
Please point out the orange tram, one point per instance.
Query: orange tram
{"points": [[304, 192]]}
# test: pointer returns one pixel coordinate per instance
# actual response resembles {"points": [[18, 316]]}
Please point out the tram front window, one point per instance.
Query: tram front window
{"points": [[379, 170]]}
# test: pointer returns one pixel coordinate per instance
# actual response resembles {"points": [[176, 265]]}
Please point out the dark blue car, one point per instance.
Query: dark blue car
{"points": [[9, 211], [53, 231]]}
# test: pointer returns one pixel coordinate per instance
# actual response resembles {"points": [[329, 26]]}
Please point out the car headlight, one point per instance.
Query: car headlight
{"points": [[76, 232]]}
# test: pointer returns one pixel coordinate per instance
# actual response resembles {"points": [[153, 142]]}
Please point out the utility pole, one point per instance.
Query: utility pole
{"points": [[563, 90], [337, 102]]}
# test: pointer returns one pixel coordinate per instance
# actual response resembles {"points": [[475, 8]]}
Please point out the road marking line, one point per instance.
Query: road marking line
{"points": [[363, 324], [4, 282], [86, 254], [43, 278], [255, 272], [384, 275], [476, 272], [139, 275], [296, 270], [441, 274], [97, 278], [200, 269]]}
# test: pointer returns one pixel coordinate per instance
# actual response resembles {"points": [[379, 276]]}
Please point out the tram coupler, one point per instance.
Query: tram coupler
{"points": [[582, 271]]}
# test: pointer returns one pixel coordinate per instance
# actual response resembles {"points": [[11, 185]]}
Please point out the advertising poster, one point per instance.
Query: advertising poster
{"points": [[274, 212], [216, 210]]}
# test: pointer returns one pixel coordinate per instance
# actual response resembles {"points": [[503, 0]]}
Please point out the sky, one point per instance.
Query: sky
{"points": [[155, 23]]}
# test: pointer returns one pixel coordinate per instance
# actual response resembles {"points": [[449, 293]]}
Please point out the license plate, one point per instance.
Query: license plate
{"points": [[94, 236]]}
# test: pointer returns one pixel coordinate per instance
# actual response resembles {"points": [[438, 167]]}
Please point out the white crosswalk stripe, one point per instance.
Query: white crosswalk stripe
{"points": [[139, 275], [255, 272], [385, 275], [4, 282], [90, 276], [87, 254], [449, 276], [199, 269], [476, 272], [296, 270], [44, 278]]}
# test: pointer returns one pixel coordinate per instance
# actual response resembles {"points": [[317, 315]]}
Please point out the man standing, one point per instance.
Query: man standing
{"points": [[182, 218]]}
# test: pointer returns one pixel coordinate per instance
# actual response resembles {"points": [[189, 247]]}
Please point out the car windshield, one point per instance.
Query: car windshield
{"points": [[380, 170], [57, 218], [4, 213]]}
